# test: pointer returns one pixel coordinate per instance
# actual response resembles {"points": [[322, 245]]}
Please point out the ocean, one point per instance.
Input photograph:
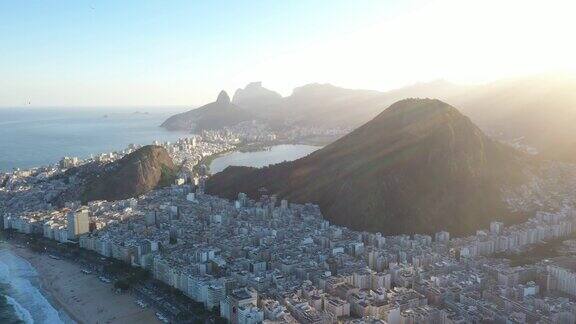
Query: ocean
{"points": [[21, 298], [36, 137], [40, 136]]}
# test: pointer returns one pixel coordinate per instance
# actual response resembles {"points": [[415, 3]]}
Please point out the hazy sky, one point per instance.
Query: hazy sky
{"points": [[91, 53]]}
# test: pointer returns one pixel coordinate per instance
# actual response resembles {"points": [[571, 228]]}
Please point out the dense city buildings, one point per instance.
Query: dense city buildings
{"points": [[269, 260]]}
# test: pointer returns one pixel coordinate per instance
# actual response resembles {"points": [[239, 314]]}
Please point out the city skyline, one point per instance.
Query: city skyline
{"points": [[315, 162], [250, 260]]}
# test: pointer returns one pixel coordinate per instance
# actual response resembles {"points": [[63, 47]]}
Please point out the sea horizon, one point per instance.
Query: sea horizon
{"points": [[33, 137]]}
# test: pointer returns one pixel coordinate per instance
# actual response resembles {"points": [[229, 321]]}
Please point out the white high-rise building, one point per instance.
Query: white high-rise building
{"points": [[565, 278], [243, 297], [496, 227], [442, 237], [78, 223]]}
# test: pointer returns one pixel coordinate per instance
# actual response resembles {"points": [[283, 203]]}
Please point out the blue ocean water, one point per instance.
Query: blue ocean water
{"points": [[21, 298], [35, 137], [39, 136]]}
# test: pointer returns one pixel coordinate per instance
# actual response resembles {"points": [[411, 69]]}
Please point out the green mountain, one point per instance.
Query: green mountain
{"points": [[419, 166], [137, 173]]}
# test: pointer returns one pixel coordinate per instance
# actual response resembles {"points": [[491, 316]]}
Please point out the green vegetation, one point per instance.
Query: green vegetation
{"points": [[208, 159], [136, 173], [536, 253], [122, 285], [128, 275], [167, 176], [419, 166]]}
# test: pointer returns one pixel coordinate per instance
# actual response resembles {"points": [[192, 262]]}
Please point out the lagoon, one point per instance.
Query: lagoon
{"points": [[272, 155]]}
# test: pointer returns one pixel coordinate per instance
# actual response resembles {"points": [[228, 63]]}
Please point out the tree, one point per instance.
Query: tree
{"points": [[122, 285]]}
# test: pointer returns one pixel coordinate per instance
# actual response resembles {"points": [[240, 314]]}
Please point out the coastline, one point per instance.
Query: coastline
{"points": [[207, 161], [84, 298], [263, 157], [23, 131], [265, 146]]}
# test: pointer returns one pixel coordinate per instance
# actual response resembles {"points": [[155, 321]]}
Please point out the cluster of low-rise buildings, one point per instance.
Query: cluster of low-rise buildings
{"points": [[188, 152], [545, 226], [260, 132], [247, 132]]}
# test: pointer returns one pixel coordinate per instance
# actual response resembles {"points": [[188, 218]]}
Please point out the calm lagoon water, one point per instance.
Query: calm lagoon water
{"points": [[275, 154], [35, 137]]}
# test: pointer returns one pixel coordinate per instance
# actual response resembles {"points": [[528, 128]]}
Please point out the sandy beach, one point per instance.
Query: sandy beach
{"points": [[84, 297]]}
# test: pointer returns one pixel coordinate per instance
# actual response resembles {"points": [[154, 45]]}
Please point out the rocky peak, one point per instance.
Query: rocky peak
{"points": [[137, 173], [253, 85], [223, 97], [254, 94], [257, 99]]}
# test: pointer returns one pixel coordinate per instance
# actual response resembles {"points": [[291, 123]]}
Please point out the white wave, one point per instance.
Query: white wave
{"points": [[22, 279], [22, 313]]}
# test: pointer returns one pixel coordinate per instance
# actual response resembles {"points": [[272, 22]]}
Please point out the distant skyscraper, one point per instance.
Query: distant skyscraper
{"points": [[442, 237], [242, 199], [68, 162], [78, 223], [150, 218], [496, 227]]}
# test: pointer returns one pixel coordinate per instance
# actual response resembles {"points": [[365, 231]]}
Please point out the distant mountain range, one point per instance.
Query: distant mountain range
{"points": [[257, 99], [215, 115], [538, 111], [418, 166]]}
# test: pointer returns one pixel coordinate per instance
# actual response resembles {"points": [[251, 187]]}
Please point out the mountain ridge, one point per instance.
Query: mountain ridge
{"points": [[418, 166], [535, 111], [215, 115], [257, 99]]}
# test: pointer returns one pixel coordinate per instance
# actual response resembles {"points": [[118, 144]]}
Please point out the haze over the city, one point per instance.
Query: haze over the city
{"points": [[152, 53], [315, 162]]}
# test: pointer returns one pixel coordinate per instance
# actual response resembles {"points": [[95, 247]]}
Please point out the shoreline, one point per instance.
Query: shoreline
{"points": [[83, 298], [252, 156], [259, 147], [48, 293]]}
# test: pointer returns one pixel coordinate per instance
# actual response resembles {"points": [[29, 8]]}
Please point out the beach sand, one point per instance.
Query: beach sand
{"points": [[84, 297]]}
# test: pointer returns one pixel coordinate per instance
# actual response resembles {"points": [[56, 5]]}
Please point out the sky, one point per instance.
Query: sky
{"points": [[182, 53]]}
